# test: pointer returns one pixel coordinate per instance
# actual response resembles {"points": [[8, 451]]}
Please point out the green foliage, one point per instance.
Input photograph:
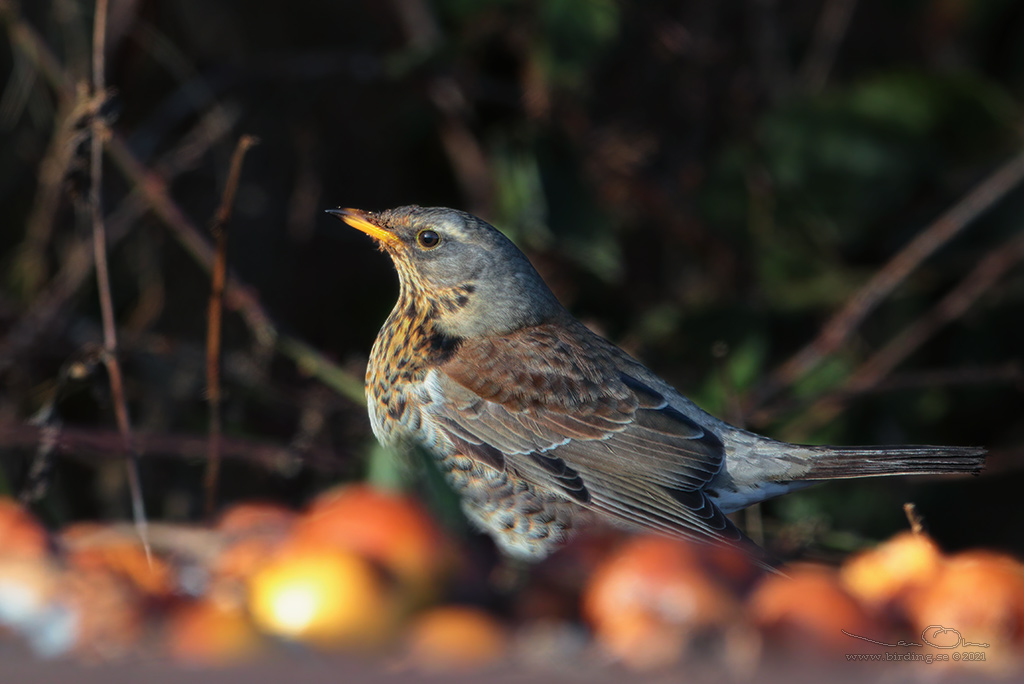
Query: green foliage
{"points": [[521, 206], [574, 34], [740, 370]]}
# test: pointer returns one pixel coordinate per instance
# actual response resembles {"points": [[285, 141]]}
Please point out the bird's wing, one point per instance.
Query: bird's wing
{"points": [[573, 413]]}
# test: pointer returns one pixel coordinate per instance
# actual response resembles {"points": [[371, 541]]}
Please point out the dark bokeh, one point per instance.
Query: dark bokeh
{"points": [[706, 183]]}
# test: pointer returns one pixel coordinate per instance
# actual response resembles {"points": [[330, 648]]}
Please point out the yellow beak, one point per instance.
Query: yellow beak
{"points": [[363, 220]]}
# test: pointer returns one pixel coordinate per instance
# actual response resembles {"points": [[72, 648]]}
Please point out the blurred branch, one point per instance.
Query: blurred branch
{"points": [[25, 40], [99, 235], [77, 261], [149, 184], [772, 62], [828, 35], [237, 296], [467, 156], [156, 193], [75, 371], [154, 190], [915, 519], [1008, 373], [986, 273], [310, 361], [842, 324], [29, 267], [954, 305], [214, 316], [91, 445]]}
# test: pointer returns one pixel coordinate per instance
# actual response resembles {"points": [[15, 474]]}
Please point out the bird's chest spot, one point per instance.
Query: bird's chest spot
{"points": [[408, 346]]}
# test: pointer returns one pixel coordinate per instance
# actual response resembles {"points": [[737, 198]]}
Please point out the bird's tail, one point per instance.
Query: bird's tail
{"points": [[832, 463]]}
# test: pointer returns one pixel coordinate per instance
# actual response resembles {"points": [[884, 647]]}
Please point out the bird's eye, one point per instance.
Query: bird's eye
{"points": [[428, 239]]}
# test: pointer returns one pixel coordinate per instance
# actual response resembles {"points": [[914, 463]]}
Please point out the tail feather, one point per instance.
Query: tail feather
{"points": [[834, 463]]}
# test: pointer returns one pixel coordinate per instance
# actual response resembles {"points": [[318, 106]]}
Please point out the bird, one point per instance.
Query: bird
{"points": [[542, 426]]}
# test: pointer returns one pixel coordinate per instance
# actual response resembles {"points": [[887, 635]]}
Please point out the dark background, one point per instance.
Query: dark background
{"points": [[705, 183]]}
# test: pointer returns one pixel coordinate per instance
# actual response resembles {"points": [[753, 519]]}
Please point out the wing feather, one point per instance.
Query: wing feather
{"points": [[573, 413]]}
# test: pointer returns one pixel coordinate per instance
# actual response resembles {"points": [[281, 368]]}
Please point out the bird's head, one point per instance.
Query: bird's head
{"points": [[486, 284]]}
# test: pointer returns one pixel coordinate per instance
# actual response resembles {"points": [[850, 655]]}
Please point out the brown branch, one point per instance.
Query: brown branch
{"points": [[154, 190], [842, 324], [77, 263], [48, 419], [955, 304], [828, 34], [92, 445], [29, 267], [914, 518], [466, 154], [313, 363], [219, 228], [99, 235], [149, 184], [237, 296], [28, 42], [1007, 373]]}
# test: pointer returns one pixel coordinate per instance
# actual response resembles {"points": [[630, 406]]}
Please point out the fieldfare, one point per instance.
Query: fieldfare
{"points": [[540, 424]]}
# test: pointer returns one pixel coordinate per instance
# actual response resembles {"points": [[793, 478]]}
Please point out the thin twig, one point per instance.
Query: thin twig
{"points": [[985, 274], [90, 445], [154, 189], [955, 304], [48, 419], [237, 296], [28, 42], [842, 324], [467, 156], [77, 263], [30, 261], [313, 363], [914, 518], [828, 35], [1007, 373], [150, 184], [219, 228], [103, 275]]}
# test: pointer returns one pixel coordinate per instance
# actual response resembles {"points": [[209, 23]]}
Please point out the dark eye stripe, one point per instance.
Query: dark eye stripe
{"points": [[428, 239]]}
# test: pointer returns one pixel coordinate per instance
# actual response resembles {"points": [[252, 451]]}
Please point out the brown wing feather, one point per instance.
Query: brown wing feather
{"points": [[573, 413]]}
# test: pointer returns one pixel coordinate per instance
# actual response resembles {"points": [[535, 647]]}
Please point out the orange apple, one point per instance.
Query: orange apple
{"points": [[209, 632], [455, 638], [323, 596], [21, 535], [385, 527], [651, 598], [882, 575], [255, 517], [978, 597], [807, 610]]}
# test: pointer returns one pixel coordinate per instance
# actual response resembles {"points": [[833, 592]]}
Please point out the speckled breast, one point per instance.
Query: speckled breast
{"points": [[524, 521]]}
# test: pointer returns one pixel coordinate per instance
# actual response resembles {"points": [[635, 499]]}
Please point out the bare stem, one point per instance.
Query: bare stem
{"points": [[955, 304], [842, 324], [99, 236], [92, 445], [219, 228], [914, 518], [153, 189], [828, 35]]}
